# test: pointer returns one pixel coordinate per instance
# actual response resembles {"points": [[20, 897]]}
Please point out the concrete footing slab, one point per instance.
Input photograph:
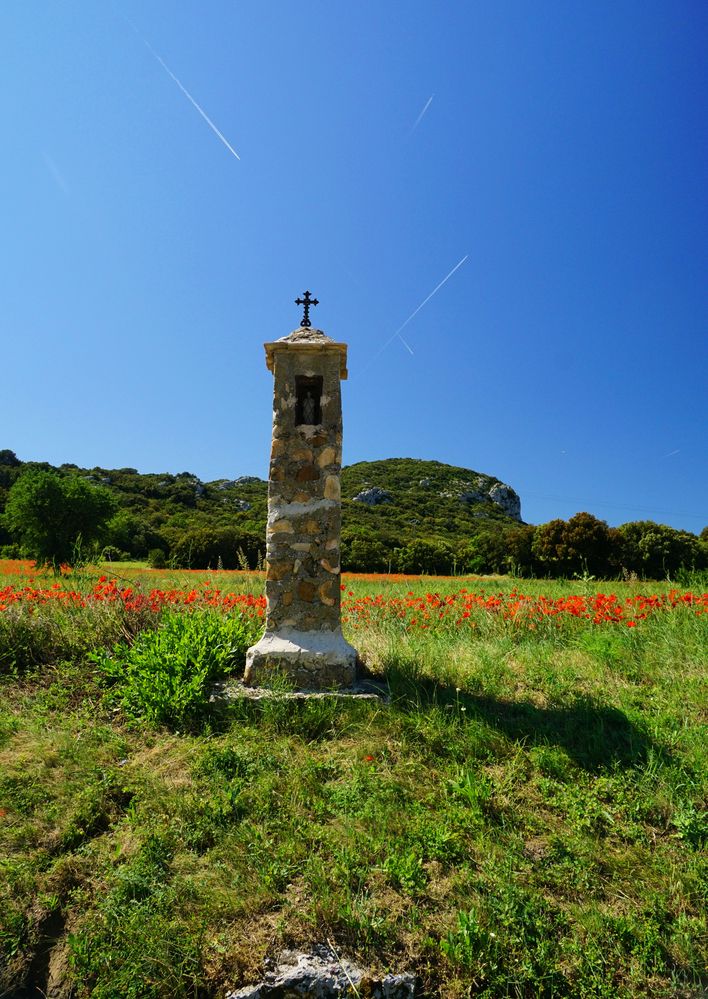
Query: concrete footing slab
{"points": [[226, 691]]}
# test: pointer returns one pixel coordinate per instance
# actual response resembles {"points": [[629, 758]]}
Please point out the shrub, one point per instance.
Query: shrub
{"points": [[203, 548], [112, 554], [9, 458], [500, 549], [423, 556], [51, 515], [656, 550], [164, 675], [581, 544], [130, 533], [364, 555], [156, 558]]}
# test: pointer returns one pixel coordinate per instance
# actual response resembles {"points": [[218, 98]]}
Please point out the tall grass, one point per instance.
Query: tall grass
{"points": [[524, 817]]}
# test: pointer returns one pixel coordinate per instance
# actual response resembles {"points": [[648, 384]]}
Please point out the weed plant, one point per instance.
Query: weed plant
{"points": [[525, 816], [164, 674]]}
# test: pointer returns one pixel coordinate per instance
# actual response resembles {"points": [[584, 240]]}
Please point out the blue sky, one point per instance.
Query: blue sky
{"points": [[562, 156]]}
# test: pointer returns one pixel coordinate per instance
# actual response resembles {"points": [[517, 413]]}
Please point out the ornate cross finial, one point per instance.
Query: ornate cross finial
{"points": [[307, 302]]}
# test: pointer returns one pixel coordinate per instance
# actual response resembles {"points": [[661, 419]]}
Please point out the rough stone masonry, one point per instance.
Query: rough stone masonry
{"points": [[303, 638]]}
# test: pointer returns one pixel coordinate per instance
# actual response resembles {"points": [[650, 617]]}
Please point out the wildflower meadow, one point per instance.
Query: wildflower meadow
{"points": [[522, 815]]}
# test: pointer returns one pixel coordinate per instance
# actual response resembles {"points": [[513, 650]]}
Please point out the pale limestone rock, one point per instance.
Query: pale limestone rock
{"points": [[506, 498], [281, 527], [324, 974], [327, 457], [373, 496], [332, 489]]}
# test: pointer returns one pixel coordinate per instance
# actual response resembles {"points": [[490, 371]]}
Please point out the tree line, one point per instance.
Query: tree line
{"points": [[583, 545], [59, 518]]}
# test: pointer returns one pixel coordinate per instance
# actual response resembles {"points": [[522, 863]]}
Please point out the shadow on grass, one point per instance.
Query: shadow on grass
{"points": [[594, 735]]}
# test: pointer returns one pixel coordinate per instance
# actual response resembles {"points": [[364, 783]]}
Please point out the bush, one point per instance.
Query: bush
{"points": [[499, 549], [10, 551], [156, 558], [131, 534], [9, 458], [204, 548], [363, 555], [164, 675], [52, 515], [656, 550], [423, 556], [112, 554], [581, 544]]}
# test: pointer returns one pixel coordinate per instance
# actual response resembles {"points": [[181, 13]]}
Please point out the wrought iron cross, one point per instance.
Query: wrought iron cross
{"points": [[307, 302]]}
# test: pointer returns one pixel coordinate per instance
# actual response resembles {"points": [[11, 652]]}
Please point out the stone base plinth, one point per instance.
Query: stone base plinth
{"points": [[310, 660]]}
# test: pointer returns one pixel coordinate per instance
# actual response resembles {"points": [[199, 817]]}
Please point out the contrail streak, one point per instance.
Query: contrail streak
{"points": [[405, 344], [54, 171], [426, 300], [184, 90], [415, 313], [420, 116]]}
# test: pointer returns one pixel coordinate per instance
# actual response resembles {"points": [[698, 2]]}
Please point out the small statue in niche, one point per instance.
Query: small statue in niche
{"points": [[308, 408], [308, 397]]}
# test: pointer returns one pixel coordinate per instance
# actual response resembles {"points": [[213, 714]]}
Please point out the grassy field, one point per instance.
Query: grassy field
{"points": [[525, 817]]}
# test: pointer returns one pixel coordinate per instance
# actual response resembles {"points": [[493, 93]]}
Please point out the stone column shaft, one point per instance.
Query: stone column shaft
{"points": [[303, 637]]}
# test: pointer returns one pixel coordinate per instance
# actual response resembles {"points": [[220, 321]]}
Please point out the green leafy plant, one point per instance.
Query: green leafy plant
{"points": [[404, 869], [163, 676]]}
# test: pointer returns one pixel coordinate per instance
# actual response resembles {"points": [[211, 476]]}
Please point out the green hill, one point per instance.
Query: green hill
{"points": [[387, 506], [435, 511]]}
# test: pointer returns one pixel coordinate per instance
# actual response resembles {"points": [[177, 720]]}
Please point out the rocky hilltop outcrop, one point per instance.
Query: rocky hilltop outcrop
{"points": [[405, 481]]}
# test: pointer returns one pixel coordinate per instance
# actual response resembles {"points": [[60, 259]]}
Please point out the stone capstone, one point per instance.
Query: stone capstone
{"points": [[373, 496], [322, 974]]}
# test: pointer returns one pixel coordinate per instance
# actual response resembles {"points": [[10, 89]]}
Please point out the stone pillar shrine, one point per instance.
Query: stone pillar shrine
{"points": [[303, 639]]}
